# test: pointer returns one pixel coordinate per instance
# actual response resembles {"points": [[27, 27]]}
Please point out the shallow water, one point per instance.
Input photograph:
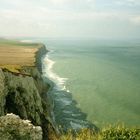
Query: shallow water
{"points": [[103, 77]]}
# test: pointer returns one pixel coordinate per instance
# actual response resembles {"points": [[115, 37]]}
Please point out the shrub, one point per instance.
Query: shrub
{"points": [[117, 132]]}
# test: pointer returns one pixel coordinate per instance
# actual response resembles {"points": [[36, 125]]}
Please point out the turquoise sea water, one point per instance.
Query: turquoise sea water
{"points": [[103, 77]]}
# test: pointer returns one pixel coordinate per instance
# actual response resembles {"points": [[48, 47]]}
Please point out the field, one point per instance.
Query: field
{"points": [[15, 54]]}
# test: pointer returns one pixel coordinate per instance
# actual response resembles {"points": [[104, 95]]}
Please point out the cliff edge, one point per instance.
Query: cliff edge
{"points": [[22, 89]]}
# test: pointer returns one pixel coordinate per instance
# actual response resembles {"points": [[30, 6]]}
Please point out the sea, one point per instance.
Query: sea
{"points": [[99, 78]]}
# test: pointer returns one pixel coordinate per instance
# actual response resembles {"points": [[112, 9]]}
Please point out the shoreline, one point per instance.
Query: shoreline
{"points": [[48, 65], [64, 106], [29, 96]]}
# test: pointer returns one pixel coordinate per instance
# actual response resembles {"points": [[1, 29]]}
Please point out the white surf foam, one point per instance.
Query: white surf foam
{"points": [[48, 72]]}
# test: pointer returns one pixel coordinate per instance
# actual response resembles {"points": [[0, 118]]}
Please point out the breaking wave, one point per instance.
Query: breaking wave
{"points": [[48, 72], [65, 113]]}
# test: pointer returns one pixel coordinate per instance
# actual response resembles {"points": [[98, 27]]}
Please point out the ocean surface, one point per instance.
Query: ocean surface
{"points": [[103, 78]]}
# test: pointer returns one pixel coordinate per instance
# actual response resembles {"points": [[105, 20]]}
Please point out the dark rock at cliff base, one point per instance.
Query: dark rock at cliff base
{"points": [[14, 128]]}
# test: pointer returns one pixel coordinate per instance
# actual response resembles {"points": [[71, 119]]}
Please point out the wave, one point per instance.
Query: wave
{"points": [[48, 72], [64, 112]]}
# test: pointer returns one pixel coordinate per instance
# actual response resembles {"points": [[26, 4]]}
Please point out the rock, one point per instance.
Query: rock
{"points": [[22, 95], [23, 98], [2, 93], [14, 128]]}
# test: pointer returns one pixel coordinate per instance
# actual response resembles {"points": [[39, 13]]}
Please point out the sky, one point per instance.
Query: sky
{"points": [[94, 19]]}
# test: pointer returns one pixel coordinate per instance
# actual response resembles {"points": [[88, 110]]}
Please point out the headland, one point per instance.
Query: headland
{"points": [[22, 91]]}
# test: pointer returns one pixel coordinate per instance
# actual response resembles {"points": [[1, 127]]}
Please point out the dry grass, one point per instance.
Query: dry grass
{"points": [[17, 56], [14, 55], [12, 68], [116, 132]]}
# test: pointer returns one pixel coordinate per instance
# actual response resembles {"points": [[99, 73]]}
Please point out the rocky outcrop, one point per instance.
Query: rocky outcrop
{"points": [[14, 128]]}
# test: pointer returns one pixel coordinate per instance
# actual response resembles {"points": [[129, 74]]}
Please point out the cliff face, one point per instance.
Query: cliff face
{"points": [[22, 94], [41, 52], [2, 93]]}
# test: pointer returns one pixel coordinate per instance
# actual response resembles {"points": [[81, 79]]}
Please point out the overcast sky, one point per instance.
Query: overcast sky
{"points": [[113, 19]]}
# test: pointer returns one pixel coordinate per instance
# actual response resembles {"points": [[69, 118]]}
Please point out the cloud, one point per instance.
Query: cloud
{"points": [[60, 2], [135, 20], [48, 22], [128, 2], [63, 18]]}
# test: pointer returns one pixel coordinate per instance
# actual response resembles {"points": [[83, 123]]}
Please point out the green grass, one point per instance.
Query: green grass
{"points": [[117, 132]]}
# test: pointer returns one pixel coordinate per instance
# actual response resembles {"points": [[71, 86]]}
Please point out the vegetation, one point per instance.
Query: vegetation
{"points": [[16, 69], [117, 132], [11, 68], [22, 90], [15, 54]]}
